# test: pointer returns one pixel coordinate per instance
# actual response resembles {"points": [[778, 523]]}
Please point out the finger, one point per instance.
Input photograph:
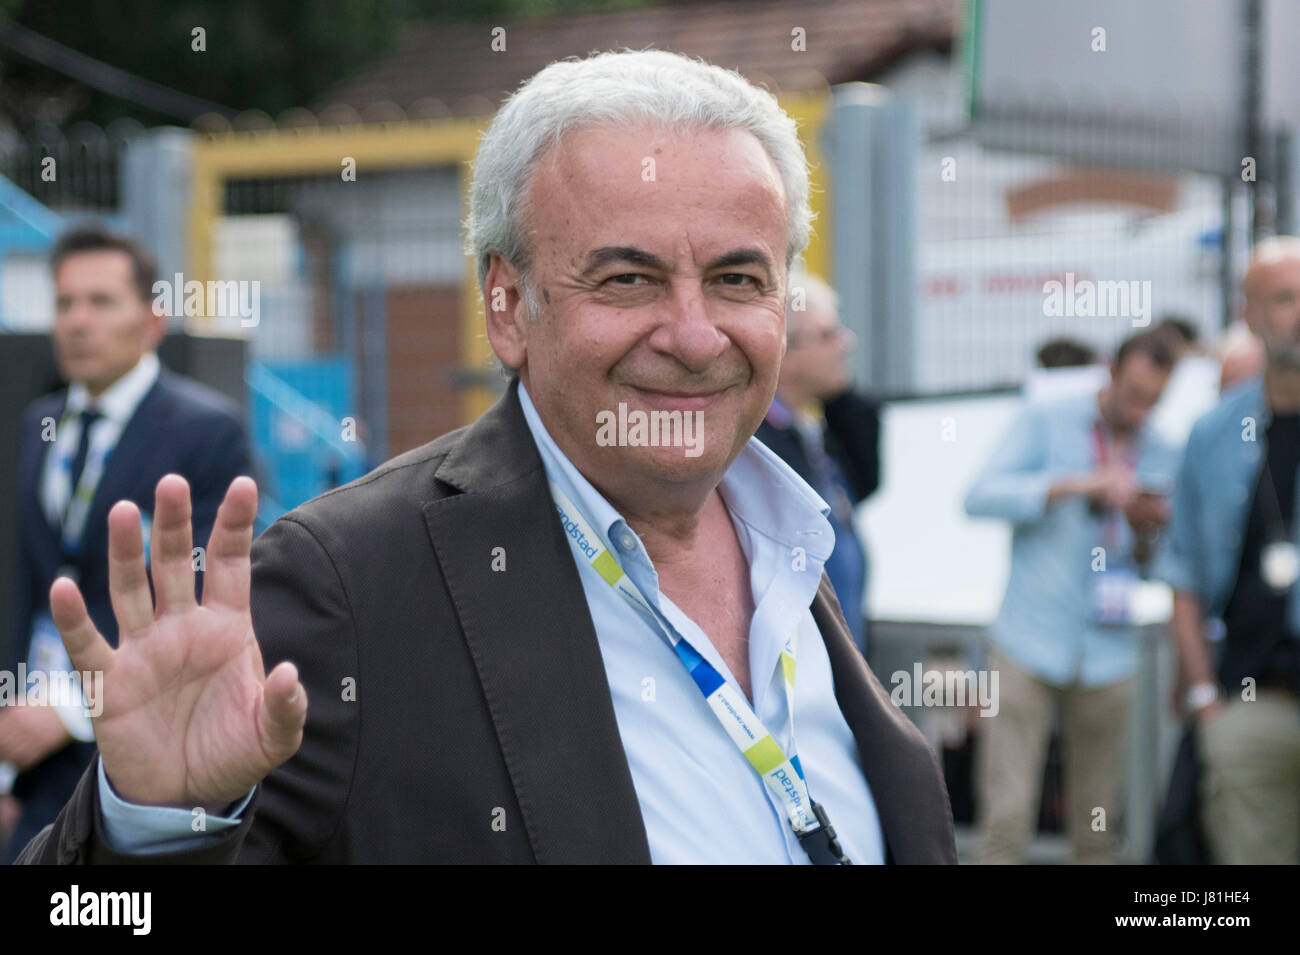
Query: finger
{"points": [[86, 648], [172, 548], [226, 579], [128, 582], [283, 713]]}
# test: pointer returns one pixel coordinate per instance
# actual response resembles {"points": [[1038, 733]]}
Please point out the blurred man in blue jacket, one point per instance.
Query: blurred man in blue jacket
{"points": [[838, 452], [1083, 482]]}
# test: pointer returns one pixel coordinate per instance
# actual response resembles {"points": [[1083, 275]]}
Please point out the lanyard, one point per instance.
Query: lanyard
{"points": [[783, 775], [1111, 529]]}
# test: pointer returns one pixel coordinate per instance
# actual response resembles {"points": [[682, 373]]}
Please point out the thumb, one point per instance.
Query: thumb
{"points": [[282, 713]]}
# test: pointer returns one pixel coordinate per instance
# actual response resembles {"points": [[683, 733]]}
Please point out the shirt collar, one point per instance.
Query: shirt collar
{"points": [[759, 489], [122, 397]]}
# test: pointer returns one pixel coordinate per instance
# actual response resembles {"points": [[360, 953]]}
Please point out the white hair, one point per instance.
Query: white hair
{"points": [[610, 89]]}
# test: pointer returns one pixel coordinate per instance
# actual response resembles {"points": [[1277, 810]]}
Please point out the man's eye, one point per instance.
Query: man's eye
{"points": [[752, 279], [626, 278]]}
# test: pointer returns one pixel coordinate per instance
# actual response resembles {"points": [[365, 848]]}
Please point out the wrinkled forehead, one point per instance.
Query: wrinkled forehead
{"points": [[649, 177]]}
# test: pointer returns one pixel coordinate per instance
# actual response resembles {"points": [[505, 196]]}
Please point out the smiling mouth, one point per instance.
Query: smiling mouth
{"points": [[679, 401]]}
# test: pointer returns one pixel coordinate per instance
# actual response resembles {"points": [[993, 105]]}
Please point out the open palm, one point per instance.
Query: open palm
{"points": [[190, 718]]}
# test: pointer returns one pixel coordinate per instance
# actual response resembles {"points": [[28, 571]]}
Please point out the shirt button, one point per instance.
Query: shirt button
{"points": [[627, 541]]}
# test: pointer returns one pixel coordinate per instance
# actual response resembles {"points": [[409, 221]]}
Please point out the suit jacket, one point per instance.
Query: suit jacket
{"points": [[852, 440], [179, 426], [461, 714]]}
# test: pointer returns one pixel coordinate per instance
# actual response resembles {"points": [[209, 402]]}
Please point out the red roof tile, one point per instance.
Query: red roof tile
{"points": [[450, 68]]}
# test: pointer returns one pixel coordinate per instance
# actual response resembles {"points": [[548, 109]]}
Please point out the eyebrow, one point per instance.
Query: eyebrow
{"points": [[608, 254]]}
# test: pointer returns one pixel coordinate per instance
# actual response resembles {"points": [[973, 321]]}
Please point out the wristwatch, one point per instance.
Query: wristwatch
{"points": [[1201, 694]]}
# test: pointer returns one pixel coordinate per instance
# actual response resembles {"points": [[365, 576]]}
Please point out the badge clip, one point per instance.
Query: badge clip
{"points": [[821, 844]]}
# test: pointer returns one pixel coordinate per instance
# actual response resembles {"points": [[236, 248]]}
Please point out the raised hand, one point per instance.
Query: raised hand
{"points": [[190, 717]]}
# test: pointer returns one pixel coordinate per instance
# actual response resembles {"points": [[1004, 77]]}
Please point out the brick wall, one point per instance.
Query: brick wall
{"points": [[424, 346]]}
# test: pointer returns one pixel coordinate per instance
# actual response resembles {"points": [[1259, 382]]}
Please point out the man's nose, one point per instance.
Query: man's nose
{"points": [[75, 317], [688, 332]]}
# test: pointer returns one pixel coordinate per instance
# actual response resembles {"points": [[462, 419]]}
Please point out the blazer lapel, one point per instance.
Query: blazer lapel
{"points": [[906, 782], [530, 634]]}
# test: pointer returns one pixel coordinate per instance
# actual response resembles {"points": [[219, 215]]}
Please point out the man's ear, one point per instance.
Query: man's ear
{"points": [[157, 325], [1250, 316], [503, 308]]}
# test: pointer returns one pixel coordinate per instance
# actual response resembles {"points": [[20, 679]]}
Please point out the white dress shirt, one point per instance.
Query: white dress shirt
{"points": [[116, 406], [701, 800]]}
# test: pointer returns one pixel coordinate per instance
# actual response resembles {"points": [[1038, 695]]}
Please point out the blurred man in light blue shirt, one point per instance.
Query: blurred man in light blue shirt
{"points": [[1082, 481]]}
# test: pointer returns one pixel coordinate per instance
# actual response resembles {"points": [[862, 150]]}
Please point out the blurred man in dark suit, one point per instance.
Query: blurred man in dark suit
{"points": [[837, 453], [120, 425]]}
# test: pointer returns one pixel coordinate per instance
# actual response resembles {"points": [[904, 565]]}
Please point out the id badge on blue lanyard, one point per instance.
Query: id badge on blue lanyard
{"points": [[1115, 583], [781, 774]]}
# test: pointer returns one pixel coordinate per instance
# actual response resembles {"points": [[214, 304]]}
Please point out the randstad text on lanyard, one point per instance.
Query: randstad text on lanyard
{"points": [[782, 774]]}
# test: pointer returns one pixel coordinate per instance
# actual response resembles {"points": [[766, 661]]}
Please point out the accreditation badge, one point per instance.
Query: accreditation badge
{"points": [[1112, 596], [1279, 565], [45, 652]]}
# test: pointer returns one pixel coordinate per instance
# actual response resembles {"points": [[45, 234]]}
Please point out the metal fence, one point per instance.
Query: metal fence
{"points": [[962, 246], [1015, 250], [357, 344], [77, 170]]}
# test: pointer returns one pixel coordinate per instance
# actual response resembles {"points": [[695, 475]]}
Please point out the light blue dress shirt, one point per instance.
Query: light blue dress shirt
{"points": [[1046, 623], [700, 799]]}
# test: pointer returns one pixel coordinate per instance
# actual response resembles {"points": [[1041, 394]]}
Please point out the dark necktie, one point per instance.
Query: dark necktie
{"points": [[88, 419]]}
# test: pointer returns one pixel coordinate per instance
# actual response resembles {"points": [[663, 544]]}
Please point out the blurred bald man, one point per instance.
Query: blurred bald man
{"points": [[1241, 357], [1233, 555], [827, 432]]}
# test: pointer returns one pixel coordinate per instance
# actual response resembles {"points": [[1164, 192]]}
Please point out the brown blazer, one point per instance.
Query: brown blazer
{"points": [[481, 727]]}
